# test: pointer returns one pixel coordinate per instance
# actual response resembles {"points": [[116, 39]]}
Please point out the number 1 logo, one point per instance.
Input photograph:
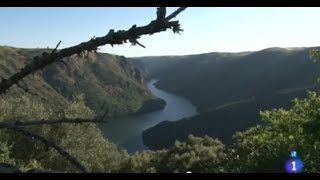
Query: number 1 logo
{"points": [[293, 166]]}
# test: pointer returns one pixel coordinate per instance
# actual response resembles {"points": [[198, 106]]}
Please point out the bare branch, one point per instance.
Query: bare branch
{"points": [[174, 14], [59, 121], [47, 142], [161, 13], [55, 49], [111, 38], [139, 44]]}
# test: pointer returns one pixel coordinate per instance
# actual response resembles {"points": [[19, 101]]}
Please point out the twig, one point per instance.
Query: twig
{"points": [[111, 38], [47, 142], [139, 44], [175, 13], [55, 49]]}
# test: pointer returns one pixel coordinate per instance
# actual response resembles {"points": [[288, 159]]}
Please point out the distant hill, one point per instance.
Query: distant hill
{"points": [[212, 79], [153, 66], [110, 83], [229, 89]]}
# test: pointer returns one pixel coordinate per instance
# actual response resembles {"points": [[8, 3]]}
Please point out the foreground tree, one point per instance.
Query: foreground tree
{"points": [[266, 148], [190, 155]]}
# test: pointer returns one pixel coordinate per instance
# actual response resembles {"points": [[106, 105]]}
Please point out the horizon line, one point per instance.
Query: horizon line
{"points": [[226, 52]]}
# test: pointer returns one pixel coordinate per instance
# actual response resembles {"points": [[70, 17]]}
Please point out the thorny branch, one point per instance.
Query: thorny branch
{"points": [[111, 38]]}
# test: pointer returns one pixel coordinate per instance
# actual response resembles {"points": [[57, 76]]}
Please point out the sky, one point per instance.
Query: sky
{"points": [[206, 29]]}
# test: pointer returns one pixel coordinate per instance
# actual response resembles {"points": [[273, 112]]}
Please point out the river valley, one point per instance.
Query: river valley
{"points": [[126, 132]]}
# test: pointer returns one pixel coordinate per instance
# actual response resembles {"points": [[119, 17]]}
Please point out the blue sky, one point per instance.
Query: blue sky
{"points": [[206, 29]]}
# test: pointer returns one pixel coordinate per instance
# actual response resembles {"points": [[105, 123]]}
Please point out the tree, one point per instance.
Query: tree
{"points": [[194, 155], [266, 148], [162, 23], [315, 54], [191, 155]]}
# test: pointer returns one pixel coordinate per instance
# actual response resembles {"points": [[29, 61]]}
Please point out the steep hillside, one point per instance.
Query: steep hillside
{"points": [[153, 66], [210, 80], [221, 122], [230, 89], [110, 83]]}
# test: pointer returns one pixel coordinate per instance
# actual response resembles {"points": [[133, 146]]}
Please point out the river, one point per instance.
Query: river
{"points": [[126, 132]]}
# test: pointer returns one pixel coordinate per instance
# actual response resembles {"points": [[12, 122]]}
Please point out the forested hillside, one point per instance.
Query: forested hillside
{"points": [[109, 83], [230, 89], [213, 79]]}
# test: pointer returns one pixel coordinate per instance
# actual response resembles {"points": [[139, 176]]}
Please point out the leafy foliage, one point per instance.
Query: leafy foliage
{"points": [[145, 162], [192, 155], [5, 153], [229, 90], [84, 141], [266, 148], [315, 54], [263, 148]]}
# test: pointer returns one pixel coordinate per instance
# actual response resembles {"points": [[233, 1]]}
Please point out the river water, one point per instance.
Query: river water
{"points": [[126, 132]]}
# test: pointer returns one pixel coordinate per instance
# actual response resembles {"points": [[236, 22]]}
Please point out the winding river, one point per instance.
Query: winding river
{"points": [[126, 132]]}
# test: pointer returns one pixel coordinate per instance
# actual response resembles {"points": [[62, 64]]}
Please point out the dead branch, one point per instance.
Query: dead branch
{"points": [[136, 42], [111, 38], [174, 14], [47, 142], [55, 49], [161, 14]]}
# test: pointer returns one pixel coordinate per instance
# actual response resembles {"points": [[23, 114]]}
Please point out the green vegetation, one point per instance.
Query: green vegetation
{"points": [[221, 84], [191, 154], [266, 148], [263, 148], [5, 153], [84, 141], [212, 79], [182, 157], [110, 84], [260, 148], [220, 123], [152, 105], [107, 83]]}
